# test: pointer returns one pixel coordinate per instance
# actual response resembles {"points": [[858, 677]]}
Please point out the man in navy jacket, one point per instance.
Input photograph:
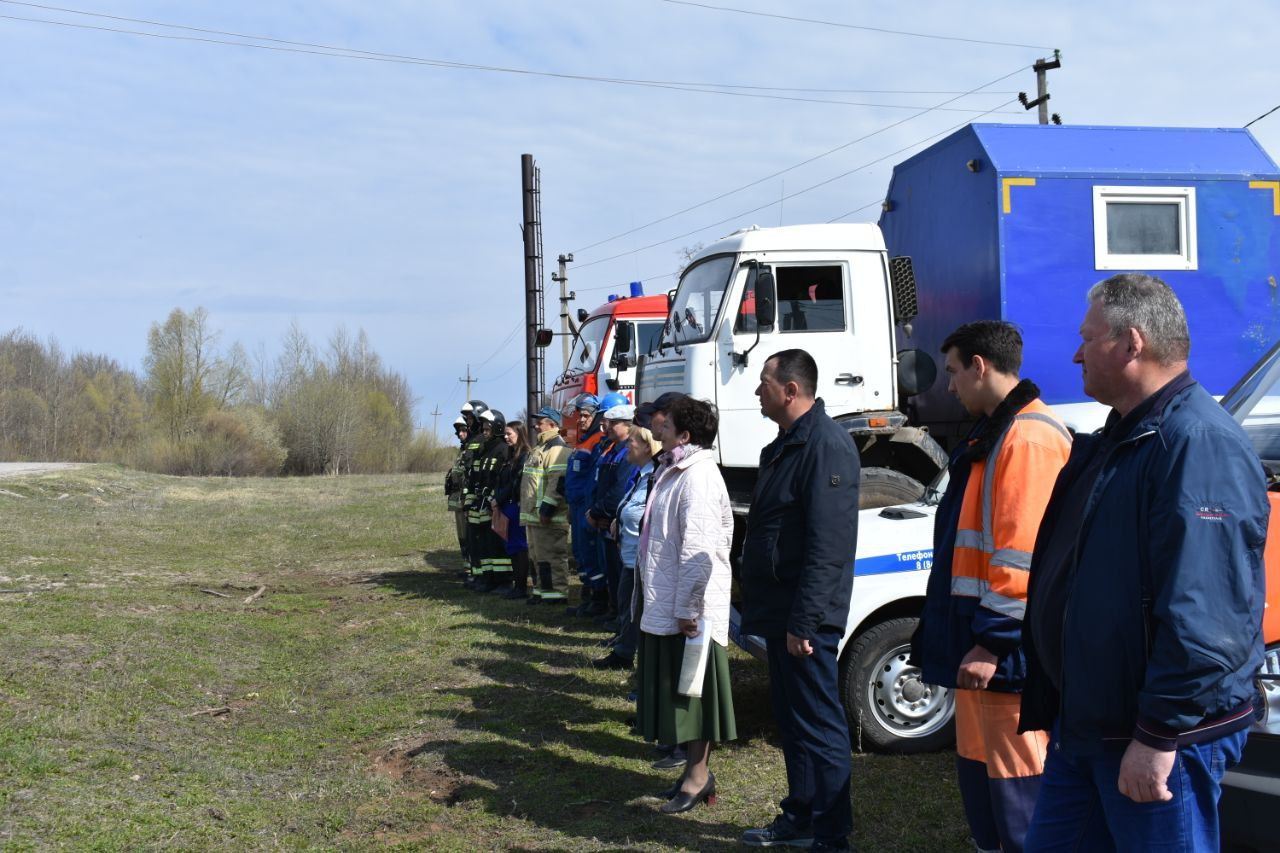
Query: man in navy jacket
{"points": [[797, 573], [1143, 623]]}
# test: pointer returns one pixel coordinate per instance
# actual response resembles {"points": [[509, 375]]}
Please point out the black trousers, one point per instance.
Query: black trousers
{"points": [[815, 737]]}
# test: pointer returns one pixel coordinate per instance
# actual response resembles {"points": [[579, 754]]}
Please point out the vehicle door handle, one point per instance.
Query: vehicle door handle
{"points": [[848, 379]]}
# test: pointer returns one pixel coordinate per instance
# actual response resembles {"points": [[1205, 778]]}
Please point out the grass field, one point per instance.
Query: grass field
{"points": [[363, 701]]}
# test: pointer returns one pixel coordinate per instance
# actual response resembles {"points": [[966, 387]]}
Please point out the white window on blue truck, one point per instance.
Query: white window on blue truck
{"points": [[1149, 228]]}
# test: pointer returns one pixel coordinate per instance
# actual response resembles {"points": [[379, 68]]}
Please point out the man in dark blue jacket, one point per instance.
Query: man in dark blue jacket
{"points": [[797, 573], [613, 477], [1144, 614]]}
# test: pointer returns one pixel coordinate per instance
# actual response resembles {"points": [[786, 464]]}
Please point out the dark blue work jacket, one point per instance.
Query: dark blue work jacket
{"points": [[802, 531], [1159, 608]]}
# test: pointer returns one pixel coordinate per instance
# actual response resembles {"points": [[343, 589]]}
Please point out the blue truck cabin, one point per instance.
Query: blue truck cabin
{"points": [[1016, 221]]}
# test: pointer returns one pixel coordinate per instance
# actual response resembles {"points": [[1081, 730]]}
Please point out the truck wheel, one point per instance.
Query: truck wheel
{"points": [[886, 487], [889, 708]]}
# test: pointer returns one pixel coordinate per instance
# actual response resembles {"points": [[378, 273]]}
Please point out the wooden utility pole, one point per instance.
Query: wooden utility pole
{"points": [[1042, 67], [469, 379], [435, 416]]}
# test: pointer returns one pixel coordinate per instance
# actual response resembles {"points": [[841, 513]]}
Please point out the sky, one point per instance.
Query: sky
{"points": [[274, 186]]}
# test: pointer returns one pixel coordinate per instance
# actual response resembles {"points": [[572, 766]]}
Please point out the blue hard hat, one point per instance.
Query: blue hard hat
{"points": [[587, 402], [549, 412], [613, 398]]}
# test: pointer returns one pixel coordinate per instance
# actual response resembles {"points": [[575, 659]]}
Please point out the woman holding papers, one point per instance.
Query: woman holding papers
{"points": [[683, 569]]}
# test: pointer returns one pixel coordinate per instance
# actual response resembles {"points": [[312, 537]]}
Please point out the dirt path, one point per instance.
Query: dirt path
{"points": [[13, 469]]}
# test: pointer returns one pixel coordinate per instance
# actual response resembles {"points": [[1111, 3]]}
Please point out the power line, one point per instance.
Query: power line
{"points": [[623, 284], [853, 26], [516, 364], [1264, 115], [313, 49], [507, 340], [856, 210], [881, 200], [791, 168], [738, 216]]}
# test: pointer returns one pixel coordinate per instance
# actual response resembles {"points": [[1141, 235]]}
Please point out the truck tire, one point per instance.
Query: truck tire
{"points": [[886, 487], [889, 708]]}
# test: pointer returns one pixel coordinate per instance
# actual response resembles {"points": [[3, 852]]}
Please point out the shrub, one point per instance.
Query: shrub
{"points": [[228, 443], [427, 455]]}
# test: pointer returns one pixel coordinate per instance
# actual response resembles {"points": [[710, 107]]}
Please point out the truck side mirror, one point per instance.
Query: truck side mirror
{"points": [[902, 279], [917, 371], [582, 315], [623, 339], [766, 299], [542, 338]]}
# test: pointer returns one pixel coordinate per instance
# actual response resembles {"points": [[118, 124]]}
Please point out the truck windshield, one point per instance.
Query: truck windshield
{"points": [[586, 349], [1255, 404], [697, 302]]}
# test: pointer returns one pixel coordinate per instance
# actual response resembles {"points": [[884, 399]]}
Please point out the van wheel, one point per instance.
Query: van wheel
{"points": [[889, 708], [886, 487]]}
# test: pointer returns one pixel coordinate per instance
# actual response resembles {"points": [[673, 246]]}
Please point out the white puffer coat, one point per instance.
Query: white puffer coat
{"points": [[683, 569]]}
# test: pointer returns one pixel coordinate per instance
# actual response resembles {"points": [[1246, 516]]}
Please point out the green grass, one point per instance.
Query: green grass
{"points": [[370, 702]]}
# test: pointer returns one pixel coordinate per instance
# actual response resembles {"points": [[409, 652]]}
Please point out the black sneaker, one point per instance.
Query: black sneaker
{"points": [[780, 833], [676, 759], [612, 661]]}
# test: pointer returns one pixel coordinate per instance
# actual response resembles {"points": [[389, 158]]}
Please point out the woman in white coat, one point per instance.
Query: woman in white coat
{"points": [[684, 576]]}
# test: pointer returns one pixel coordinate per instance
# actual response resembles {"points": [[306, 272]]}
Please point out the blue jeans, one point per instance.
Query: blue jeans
{"points": [[815, 737], [1081, 808]]}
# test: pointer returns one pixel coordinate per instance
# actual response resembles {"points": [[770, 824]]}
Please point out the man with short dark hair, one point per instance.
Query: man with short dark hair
{"points": [[797, 573], [970, 634], [1143, 625]]}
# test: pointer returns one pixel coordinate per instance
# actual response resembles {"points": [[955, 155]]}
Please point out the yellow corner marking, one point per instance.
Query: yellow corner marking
{"points": [[1013, 182], [1274, 186]]}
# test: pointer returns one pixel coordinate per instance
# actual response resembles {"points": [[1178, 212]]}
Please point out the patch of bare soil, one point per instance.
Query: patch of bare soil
{"points": [[431, 779]]}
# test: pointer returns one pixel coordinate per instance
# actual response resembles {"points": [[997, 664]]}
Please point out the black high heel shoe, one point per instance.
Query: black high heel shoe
{"points": [[672, 791], [683, 802]]}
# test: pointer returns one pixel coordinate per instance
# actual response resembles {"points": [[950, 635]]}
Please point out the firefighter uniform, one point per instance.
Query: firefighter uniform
{"points": [[471, 451], [455, 482], [544, 513], [491, 567]]}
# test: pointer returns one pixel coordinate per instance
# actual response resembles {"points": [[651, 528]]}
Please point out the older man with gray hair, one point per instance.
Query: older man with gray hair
{"points": [[1143, 622]]}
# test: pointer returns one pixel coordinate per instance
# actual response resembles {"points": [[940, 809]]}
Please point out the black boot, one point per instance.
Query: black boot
{"points": [[596, 602], [520, 583], [542, 580]]}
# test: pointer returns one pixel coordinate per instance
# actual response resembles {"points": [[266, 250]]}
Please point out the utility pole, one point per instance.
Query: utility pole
{"points": [[565, 296], [1042, 67], [532, 229], [435, 415], [469, 379]]}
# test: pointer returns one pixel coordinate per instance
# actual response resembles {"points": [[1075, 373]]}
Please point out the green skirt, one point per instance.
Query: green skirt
{"points": [[667, 717]]}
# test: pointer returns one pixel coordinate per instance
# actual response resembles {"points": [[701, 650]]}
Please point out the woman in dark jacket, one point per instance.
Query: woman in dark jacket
{"points": [[506, 500]]}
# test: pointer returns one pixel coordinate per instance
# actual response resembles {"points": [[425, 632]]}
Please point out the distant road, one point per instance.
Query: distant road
{"points": [[13, 469]]}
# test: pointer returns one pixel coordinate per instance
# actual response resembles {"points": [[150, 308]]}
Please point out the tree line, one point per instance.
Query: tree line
{"points": [[203, 409]]}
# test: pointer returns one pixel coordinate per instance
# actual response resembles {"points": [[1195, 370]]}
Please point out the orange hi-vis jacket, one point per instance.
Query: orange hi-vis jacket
{"points": [[1004, 501], [984, 532]]}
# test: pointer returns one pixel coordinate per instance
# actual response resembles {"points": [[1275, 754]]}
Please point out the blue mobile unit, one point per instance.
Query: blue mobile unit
{"points": [[1016, 222]]}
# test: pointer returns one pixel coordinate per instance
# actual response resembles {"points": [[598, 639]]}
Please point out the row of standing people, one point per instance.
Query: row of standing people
{"points": [[1095, 604], [668, 528]]}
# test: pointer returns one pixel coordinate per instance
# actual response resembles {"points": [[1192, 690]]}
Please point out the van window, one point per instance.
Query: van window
{"points": [[810, 299], [1148, 228]]}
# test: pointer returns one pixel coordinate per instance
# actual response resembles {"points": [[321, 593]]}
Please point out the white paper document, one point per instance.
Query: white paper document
{"points": [[693, 668]]}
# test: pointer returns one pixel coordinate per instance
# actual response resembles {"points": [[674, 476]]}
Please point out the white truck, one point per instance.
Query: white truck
{"points": [[830, 289], [833, 291]]}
